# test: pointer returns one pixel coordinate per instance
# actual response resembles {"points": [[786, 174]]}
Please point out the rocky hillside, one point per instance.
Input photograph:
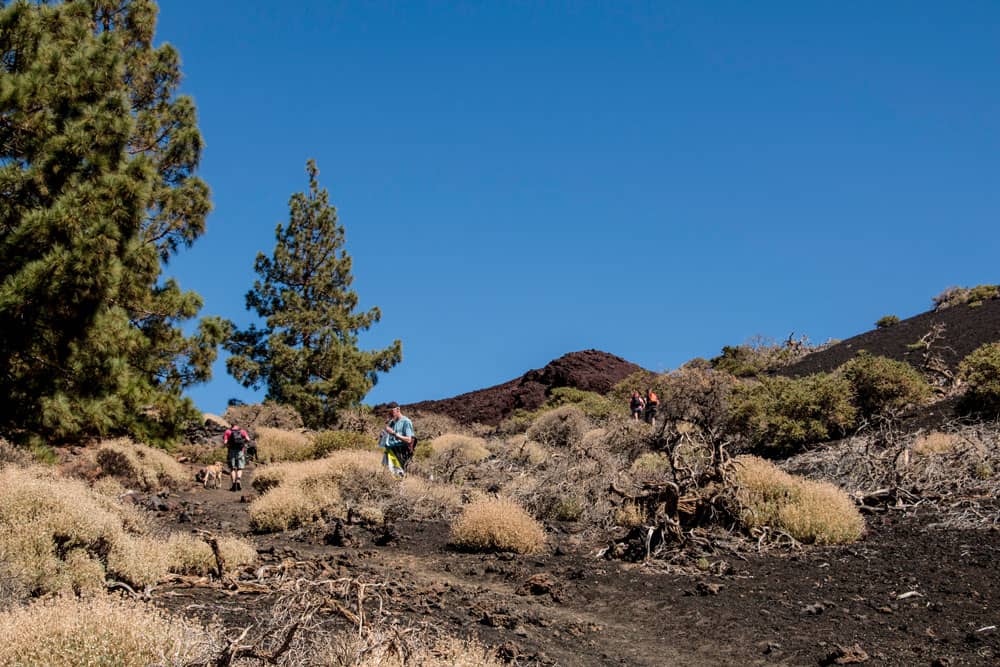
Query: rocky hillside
{"points": [[962, 329], [590, 370]]}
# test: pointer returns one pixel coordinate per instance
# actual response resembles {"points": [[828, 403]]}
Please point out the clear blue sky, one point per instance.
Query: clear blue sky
{"points": [[519, 180]]}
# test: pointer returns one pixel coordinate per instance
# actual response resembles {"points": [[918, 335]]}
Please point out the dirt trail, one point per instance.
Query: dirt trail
{"points": [[904, 595]]}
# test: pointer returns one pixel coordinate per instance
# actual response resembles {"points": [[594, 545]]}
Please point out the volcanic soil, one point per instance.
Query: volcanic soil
{"points": [[906, 594]]}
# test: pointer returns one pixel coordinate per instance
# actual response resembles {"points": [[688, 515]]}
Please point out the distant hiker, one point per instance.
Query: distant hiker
{"points": [[236, 440], [652, 402], [395, 439], [636, 405]]}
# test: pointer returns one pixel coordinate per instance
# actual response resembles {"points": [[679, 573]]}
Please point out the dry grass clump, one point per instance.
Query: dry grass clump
{"points": [[56, 534], [101, 630], [148, 468], [189, 555], [275, 445], [497, 524], [10, 453], [650, 467], [294, 494], [561, 427], [934, 442], [813, 512], [326, 442], [430, 500], [350, 650], [520, 449], [629, 515], [451, 454]]}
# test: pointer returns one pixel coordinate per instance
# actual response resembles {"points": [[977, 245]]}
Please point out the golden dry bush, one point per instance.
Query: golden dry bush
{"points": [[497, 524], [373, 650], [56, 534], [188, 554], [430, 500], [521, 450], [275, 445], [650, 467], [101, 630], [934, 442], [453, 446], [561, 427], [148, 468], [10, 453], [629, 515], [809, 511], [293, 494]]}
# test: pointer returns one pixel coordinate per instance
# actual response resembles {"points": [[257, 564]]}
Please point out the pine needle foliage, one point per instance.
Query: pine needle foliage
{"points": [[307, 352], [97, 154]]}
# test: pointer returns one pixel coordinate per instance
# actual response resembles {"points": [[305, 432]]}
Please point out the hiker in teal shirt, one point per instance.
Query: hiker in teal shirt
{"points": [[394, 439]]}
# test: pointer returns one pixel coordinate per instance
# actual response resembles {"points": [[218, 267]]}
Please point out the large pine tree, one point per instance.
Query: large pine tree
{"points": [[97, 154], [307, 352]]}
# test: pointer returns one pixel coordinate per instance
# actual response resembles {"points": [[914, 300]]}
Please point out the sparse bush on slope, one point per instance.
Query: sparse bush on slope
{"points": [[883, 387], [101, 630], [811, 512], [973, 296], [560, 427], [782, 414], [148, 468], [275, 445], [981, 372], [497, 524]]}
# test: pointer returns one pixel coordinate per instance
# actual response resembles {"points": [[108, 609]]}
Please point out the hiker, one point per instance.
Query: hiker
{"points": [[652, 402], [394, 439], [636, 405], [236, 440]]}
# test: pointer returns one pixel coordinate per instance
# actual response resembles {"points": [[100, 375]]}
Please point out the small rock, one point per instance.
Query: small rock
{"points": [[851, 655], [814, 609], [705, 588]]}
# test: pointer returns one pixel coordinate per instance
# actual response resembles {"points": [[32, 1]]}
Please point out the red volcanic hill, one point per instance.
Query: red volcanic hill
{"points": [[962, 329], [589, 370]]}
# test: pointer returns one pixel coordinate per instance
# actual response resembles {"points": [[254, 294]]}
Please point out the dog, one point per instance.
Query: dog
{"points": [[211, 476]]}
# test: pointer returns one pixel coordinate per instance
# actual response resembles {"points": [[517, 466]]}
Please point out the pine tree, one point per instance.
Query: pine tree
{"points": [[307, 353], [97, 154]]}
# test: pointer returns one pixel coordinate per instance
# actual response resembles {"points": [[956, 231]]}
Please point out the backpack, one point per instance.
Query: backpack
{"points": [[236, 439]]}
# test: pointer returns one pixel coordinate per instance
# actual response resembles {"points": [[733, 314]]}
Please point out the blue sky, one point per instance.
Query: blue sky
{"points": [[519, 180]]}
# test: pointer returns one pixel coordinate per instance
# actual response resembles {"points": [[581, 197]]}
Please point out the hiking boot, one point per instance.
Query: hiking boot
{"points": [[239, 485], [233, 487]]}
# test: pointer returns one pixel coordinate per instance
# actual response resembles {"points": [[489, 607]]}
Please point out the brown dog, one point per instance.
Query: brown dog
{"points": [[211, 476]]}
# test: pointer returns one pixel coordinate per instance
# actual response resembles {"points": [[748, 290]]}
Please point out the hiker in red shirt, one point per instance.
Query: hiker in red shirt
{"points": [[236, 440]]}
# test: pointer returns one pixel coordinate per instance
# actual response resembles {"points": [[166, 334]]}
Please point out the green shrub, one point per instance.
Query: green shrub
{"points": [[760, 355], [784, 413], [326, 442], [596, 407], [973, 296], [883, 386], [887, 321], [698, 395], [981, 372]]}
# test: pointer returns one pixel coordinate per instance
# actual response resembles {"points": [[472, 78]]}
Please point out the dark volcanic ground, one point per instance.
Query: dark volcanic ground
{"points": [[965, 329], [590, 370], [907, 594]]}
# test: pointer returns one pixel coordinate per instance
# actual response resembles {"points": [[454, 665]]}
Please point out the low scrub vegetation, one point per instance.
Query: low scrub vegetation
{"points": [[981, 373], [275, 445], [781, 414], [886, 322], [101, 630], [761, 355], [883, 387], [146, 468], [560, 427], [326, 442], [497, 524], [933, 443], [188, 554], [972, 296], [811, 512]]}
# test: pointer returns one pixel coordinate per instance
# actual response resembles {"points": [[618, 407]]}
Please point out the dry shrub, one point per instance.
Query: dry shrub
{"points": [[148, 468], [101, 630], [561, 427], [108, 487], [57, 534], [650, 467], [519, 449], [429, 425], [497, 524], [275, 445], [351, 650], [451, 454], [293, 494], [625, 437], [934, 442], [190, 555], [252, 417], [10, 453], [629, 515], [430, 500], [813, 512]]}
